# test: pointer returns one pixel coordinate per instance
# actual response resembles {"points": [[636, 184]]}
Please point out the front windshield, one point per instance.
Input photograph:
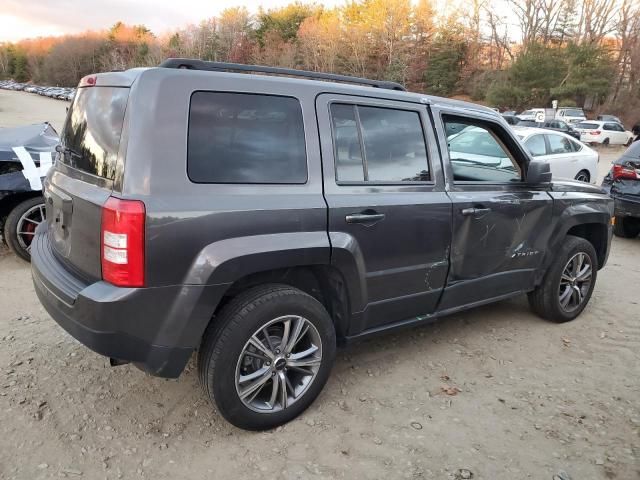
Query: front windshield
{"points": [[574, 112]]}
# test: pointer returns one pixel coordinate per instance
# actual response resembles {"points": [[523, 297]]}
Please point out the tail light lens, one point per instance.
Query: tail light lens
{"points": [[87, 81], [624, 172], [123, 242], [596, 132]]}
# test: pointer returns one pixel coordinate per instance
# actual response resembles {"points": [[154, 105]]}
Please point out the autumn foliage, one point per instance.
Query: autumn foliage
{"points": [[581, 52]]}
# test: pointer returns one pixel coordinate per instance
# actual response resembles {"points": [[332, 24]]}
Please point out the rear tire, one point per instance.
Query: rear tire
{"points": [[605, 142], [230, 361], [626, 227], [583, 176], [19, 243], [562, 277]]}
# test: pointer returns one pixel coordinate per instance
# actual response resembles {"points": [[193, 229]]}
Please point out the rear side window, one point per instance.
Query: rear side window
{"points": [[378, 144], [536, 145], [559, 144], [245, 138], [92, 130]]}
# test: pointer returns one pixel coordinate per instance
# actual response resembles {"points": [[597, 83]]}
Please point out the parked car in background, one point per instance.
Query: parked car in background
{"points": [[567, 157], [623, 184], [511, 119], [570, 114], [557, 125], [530, 114], [606, 133], [60, 93], [608, 118], [26, 153], [509, 113]]}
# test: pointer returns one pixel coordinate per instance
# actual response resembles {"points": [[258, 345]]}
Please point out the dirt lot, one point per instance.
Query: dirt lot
{"points": [[535, 398]]}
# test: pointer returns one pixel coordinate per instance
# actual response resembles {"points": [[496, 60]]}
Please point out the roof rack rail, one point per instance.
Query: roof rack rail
{"points": [[195, 64]]}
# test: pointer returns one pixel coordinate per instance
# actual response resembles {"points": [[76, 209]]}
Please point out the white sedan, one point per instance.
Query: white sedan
{"points": [[568, 158], [606, 133]]}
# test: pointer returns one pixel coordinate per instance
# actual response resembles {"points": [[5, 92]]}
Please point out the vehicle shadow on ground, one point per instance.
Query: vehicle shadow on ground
{"points": [[174, 401]]}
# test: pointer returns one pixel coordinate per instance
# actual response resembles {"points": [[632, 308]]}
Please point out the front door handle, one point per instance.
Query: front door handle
{"points": [[365, 218], [475, 211]]}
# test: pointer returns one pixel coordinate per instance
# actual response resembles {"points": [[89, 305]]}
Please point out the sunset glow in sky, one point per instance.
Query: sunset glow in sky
{"points": [[37, 18]]}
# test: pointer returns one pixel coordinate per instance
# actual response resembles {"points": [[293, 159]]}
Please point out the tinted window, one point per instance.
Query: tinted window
{"points": [[245, 138], [393, 141], [576, 145], [574, 112], [608, 126], [559, 144], [93, 128], [476, 154], [588, 126], [349, 165], [536, 145]]}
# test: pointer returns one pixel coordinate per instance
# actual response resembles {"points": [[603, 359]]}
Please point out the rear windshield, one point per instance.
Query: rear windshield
{"points": [[573, 112], [588, 126], [91, 135], [245, 138]]}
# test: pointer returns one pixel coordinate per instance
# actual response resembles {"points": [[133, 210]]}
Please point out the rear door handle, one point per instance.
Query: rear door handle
{"points": [[475, 211], [365, 218]]}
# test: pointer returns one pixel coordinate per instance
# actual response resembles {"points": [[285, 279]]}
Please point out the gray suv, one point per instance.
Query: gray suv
{"points": [[259, 220]]}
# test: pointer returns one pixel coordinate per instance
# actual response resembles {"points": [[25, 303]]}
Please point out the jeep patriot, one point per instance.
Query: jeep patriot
{"points": [[260, 219]]}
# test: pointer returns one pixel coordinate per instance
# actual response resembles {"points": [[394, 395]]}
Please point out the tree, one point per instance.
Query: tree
{"points": [[446, 62]]}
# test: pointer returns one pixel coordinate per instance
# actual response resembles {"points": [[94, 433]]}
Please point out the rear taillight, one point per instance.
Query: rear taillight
{"points": [[123, 242], [87, 81], [596, 132], [620, 172]]}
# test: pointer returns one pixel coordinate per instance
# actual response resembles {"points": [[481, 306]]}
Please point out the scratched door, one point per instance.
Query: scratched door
{"points": [[495, 251]]}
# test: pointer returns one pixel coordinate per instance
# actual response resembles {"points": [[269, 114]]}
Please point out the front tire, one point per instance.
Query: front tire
{"points": [[19, 229], [626, 227], [266, 356], [568, 284]]}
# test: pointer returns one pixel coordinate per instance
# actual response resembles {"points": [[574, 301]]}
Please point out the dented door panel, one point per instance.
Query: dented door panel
{"points": [[496, 252]]}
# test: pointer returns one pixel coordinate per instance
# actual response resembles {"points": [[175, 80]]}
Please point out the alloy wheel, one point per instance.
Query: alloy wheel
{"points": [[582, 177], [278, 364], [27, 225], [575, 282]]}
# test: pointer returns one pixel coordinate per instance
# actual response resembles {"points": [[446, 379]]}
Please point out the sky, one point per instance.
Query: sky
{"points": [[38, 18]]}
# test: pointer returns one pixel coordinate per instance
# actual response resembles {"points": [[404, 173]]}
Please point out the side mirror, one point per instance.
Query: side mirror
{"points": [[538, 172]]}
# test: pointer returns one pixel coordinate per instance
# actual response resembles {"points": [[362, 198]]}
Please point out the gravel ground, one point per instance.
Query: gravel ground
{"points": [[493, 393]]}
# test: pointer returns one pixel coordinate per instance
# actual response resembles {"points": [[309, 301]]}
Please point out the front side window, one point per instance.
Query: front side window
{"points": [[477, 154], [536, 145], [559, 145], [377, 144], [245, 138]]}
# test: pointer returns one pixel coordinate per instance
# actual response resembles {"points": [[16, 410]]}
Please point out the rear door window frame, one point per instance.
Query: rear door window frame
{"points": [[364, 102]]}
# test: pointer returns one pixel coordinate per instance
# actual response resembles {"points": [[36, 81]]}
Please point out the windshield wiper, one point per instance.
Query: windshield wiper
{"points": [[475, 162]]}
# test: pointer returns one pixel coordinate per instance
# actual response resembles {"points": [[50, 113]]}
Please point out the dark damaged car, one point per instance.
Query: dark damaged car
{"points": [[261, 219], [623, 184], [26, 154]]}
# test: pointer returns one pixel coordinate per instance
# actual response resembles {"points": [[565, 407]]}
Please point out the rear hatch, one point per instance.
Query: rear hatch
{"points": [[87, 163]]}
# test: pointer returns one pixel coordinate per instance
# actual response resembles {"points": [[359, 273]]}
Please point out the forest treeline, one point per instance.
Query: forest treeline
{"points": [[505, 53]]}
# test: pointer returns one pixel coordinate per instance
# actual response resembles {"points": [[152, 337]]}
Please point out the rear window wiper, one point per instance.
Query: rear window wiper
{"points": [[67, 150]]}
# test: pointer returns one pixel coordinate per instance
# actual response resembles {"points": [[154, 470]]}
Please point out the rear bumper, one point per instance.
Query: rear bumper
{"points": [[626, 208], [155, 328]]}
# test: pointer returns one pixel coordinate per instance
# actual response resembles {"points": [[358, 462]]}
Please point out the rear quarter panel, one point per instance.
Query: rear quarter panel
{"points": [[215, 233]]}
